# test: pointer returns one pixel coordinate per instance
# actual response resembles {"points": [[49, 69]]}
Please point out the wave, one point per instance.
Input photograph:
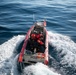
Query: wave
{"points": [[38, 69], [64, 52], [8, 60], [3, 28], [7, 54]]}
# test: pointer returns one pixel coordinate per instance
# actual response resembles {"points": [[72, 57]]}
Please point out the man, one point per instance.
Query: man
{"points": [[37, 38]]}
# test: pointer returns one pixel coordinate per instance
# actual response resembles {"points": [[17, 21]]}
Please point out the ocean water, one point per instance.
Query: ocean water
{"points": [[17, 16]]}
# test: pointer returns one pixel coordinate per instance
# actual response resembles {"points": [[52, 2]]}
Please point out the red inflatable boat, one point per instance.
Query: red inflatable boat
{"points": [[35, 46]]}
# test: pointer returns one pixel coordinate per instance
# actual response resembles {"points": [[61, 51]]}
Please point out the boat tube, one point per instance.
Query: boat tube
{"points": [[34, 50]]}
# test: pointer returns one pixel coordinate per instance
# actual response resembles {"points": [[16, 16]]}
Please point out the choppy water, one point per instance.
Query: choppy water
{"points": [[16, 17]]}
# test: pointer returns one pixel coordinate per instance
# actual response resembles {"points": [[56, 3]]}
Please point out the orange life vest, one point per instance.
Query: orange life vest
{"points": [[37, 37]]}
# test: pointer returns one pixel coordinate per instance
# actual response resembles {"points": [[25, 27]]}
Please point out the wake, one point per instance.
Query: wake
{"points": [[8, 60], [64, 47], [64, 52], [38, 69], [8, 53]]}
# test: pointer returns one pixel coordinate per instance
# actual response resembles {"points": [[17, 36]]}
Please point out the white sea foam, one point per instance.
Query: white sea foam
{"points": [[65, 46], [61, 43], [8, 60], [38, 69], [7, 54]]}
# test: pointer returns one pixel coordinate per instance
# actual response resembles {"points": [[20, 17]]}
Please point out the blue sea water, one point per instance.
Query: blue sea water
{"points": [[17, 16]]}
